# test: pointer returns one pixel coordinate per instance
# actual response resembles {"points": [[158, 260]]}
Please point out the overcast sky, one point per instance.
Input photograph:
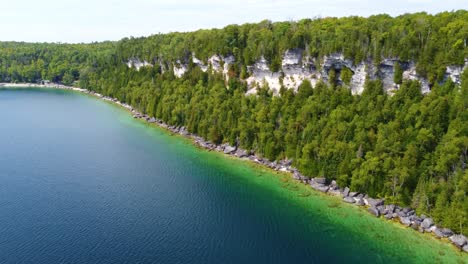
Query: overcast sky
{"points": [[98, 20]]}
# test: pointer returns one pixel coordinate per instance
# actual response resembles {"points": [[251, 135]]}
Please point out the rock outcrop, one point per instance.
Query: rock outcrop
{"points": [[297, 66]]}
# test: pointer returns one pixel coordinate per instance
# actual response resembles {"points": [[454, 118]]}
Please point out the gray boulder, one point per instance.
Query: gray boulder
{"points": [[320, 180], [375, 202], [381, 209], [359, 201], [421, 229], [459, 240], [427, 223], [406, 210], [389, 216], [402, 214], [443, 232], [465, 248], [353, 194], [322, 188], [346, 191], [390, 208], [349, 199], [241, 153], [229, 149], [405, 220], [374, 211]]}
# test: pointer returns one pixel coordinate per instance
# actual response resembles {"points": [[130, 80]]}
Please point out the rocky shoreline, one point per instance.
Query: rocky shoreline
{"points": [[377, 207]]}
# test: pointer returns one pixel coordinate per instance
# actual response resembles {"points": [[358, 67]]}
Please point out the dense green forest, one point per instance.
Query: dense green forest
{"points": [[410, 148]]}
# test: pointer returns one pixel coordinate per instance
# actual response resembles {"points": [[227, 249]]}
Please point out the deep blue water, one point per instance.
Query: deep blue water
{"points": [[82, 182]]}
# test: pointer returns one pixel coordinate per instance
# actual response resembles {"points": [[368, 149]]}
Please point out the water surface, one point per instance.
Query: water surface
{"points": [[81, 181]]}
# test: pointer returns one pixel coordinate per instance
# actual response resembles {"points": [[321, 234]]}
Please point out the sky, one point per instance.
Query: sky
{"points": [[75, 21]]}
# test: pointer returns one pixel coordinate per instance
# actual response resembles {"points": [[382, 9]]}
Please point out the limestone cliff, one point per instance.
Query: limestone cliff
{"points": [[297, 66]]}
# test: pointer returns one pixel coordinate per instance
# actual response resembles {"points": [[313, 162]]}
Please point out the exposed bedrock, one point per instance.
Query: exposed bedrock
{"points": [[297, 66]]}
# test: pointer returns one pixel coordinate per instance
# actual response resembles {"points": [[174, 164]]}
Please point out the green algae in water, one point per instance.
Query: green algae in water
{"points": [[388, 241]]}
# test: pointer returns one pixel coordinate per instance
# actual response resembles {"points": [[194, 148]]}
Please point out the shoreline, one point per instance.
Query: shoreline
{"points": [[377, 207]]}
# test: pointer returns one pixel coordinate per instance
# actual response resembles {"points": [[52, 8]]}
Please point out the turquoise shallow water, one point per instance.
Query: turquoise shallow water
{"points": [[81, 181]]}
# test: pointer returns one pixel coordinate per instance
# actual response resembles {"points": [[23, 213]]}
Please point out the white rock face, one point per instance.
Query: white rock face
{"points": [[358, 79], [296, 67], [411, 74], [294, 70], [199, 63], [137, 64], [215, 62], [179, 69], [454, 72], [260, 74]]}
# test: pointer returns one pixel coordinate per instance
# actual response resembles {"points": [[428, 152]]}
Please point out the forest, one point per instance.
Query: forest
{"points": [[408, 148]]}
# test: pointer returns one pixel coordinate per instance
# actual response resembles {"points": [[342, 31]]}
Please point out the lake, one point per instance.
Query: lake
{"points": [[81, 181]]}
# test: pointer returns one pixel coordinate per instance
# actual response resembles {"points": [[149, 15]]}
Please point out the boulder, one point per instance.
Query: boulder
{"points": [[297, 175], [390, 208], [443, 232], [375, 202], [320, 180], [465, 248], [459, 240], [241, 153], [427, 223], [405, 220], [322, 188], [415, 226], [349, 199], [286, 162], [381, 208], [402, 214], [346, 191], [421, 229], [389, 216], [229, 149], [335, 191], [359, 201], [374, 211], [353, 194]]}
